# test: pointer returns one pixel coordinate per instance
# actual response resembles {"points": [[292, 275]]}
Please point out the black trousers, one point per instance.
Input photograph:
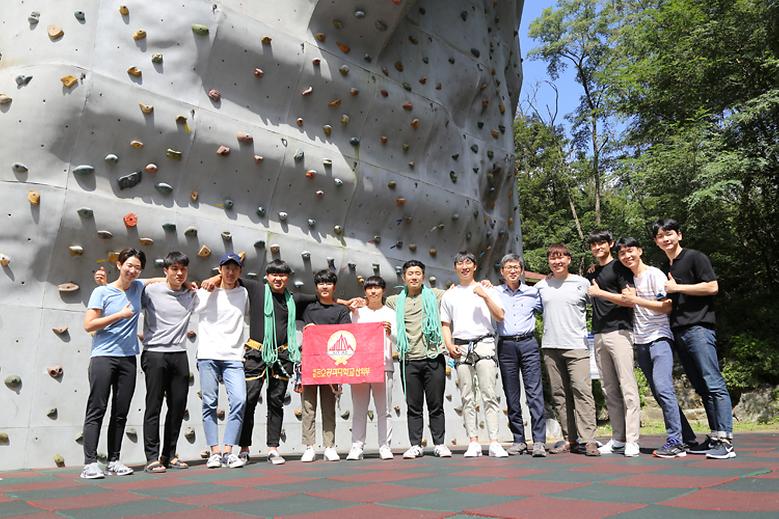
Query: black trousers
{"points": [[167, 376], [108, 375], [277, 388], [425, 382]]}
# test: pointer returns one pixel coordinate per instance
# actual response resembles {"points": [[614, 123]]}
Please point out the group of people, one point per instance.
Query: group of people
{"points": [[481, 328]]}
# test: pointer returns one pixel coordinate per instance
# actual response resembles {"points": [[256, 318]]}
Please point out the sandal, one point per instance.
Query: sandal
{"points": [[155, 467], [177, 464]]}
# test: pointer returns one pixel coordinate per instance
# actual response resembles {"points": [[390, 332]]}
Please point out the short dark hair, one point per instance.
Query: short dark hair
{"points": [[558, 248], [175, 258], [464, 255], [325, 276], [512, 257], [375, 281], [278, 266], [627, 242], [665, 224], [600, 237], [413, 263], [128, 253]]}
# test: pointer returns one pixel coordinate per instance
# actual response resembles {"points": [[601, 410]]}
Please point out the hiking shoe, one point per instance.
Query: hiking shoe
{"points": [[355, 453], [671, 450], [309, 455], [704, 447], [474, 450], [722, 450], [517, 449], [560, 447], [496, 450], [442, 451], [117, 468], [632, 450], [234, 462], [214, 461], [92, 471], [385, 452], [275, 458], [612, 447], [539, 450], [591, 449], [413, 452], [331, 454]]}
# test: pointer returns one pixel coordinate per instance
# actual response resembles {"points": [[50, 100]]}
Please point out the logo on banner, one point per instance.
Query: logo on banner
{"points": [[341, 346]]}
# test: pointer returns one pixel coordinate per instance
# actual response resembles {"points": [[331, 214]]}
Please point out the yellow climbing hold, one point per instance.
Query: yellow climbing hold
{"points": [[4, 260], [136, 144], [134, 72], [55, 32], [123, 10], [140, 34], [69, 80], [204, 251], [147, 109], [34, 197]]}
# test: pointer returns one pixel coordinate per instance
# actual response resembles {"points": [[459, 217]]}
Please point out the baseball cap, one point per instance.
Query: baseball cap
{"points": [[231, 256]]}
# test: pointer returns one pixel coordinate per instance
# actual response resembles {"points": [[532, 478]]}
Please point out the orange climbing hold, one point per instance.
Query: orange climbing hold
{"points": [[408, 106], [130, 219], [34, 197], [69, 81], [223, 150], [55, 32], [344, 47]]}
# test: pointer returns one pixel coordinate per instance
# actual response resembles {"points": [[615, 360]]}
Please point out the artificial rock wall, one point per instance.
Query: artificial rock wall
{"points": [[354, 135]]}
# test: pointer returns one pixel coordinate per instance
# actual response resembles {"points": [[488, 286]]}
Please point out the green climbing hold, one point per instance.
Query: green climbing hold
{"points": [[228, 203], [298, 155], [18, 167], [156, 58], [169, 227], [59, 460], [85, 212], [173, 154], [164, 188], [200, 29], [13, 381], [111, 158]]}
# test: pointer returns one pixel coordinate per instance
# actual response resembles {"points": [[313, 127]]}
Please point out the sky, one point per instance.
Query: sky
{"points": [[535, 71]]}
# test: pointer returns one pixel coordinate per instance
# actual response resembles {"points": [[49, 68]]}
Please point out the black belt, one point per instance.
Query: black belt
{"points": [[517, 338], [471, 341]]}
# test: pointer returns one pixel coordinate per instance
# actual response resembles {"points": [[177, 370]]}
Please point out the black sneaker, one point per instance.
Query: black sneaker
{"points": [[722, 450], [671, 450], [703, 447]]}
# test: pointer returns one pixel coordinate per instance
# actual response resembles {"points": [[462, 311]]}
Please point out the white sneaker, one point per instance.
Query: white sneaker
{"points": [[385, 452], [92, 471], [117, 468], [413, 452], [474, 450], [309, 455], [214, 461], [331, 454], [275, 458], [497, 450], [355, 453], [632, 450], [244, 455], [234, 462], [442, 451], [612, 447]]}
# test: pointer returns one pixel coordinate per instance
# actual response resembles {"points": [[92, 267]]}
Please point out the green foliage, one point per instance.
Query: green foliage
{"points": [[697, 84]]}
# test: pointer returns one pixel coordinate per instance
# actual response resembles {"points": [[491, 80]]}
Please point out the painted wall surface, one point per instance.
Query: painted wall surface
{"points": [[355, 135]]}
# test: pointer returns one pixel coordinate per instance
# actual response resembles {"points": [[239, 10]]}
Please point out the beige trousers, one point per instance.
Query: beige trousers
{"points": [[485, 372], [327, 399], [571, 387], [614, 354]]}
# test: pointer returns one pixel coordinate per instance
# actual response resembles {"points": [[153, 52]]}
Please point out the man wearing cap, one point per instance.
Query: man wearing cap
{"points": [[220, 357]]}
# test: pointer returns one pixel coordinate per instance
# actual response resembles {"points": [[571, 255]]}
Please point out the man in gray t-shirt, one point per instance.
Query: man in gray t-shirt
{"points": [[566, 357], [167, 309]]}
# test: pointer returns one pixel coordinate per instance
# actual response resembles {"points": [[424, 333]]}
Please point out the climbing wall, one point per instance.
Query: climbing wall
{"points": [[330, 133]]}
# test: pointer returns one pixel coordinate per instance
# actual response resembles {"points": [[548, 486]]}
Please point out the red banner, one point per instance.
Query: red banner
{"points": [[343, 354]]}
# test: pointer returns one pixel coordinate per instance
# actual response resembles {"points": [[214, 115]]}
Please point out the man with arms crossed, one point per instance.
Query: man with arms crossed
{"points": [[566, 356], [467, 311], [692, 285], [612, 325], [518, 352], [421, 352], [653, 342]]}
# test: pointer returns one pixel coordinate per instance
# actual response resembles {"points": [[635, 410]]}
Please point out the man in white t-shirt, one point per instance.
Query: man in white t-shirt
{"points": [[467, 313], [374, 312], [653, 341]]}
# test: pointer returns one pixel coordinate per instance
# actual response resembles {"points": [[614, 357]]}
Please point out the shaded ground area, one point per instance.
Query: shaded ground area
{"points": [[556, 487]]}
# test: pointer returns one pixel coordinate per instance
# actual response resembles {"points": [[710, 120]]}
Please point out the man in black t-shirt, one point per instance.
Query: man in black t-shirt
{"points": [[612, 325], [692, 285], [324, 311]]}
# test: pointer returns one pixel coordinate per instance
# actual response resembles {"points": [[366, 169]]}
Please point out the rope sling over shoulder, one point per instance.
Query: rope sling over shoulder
{"points": [[270, 350], [431, 327]]}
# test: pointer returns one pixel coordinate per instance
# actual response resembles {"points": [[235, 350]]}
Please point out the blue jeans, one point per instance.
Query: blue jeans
{"points": [[231, 373], [525, 357], [656, 360], [697, 350]]}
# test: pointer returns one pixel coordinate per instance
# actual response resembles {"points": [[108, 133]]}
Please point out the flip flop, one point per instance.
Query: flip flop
{"points": [[177, 464], [155, 467]]}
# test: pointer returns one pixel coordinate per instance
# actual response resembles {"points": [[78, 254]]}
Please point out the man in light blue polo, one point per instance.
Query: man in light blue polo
{"points": [[518, 352]]}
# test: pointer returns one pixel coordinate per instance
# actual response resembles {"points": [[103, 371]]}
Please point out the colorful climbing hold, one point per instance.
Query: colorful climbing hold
{"points": [[69, 81], [34, 197], [123, 10], [173, 154], [258, 72], [68, 287], [111, 158], [215, 95], [84, 169], [55, 32], [140, 34], [146, 242], [5, 99], [134, 72], [200, 29], [136, 144], [146, 109], [105, 235], [223, 150], [131, 180], [266, 40], [151, 168], [156, 58], [308, 91], [4, 260], [130, 219], [76, 250]]}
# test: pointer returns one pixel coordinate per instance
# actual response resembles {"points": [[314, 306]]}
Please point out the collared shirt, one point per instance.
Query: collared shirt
{"points": [[520, 307]]}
